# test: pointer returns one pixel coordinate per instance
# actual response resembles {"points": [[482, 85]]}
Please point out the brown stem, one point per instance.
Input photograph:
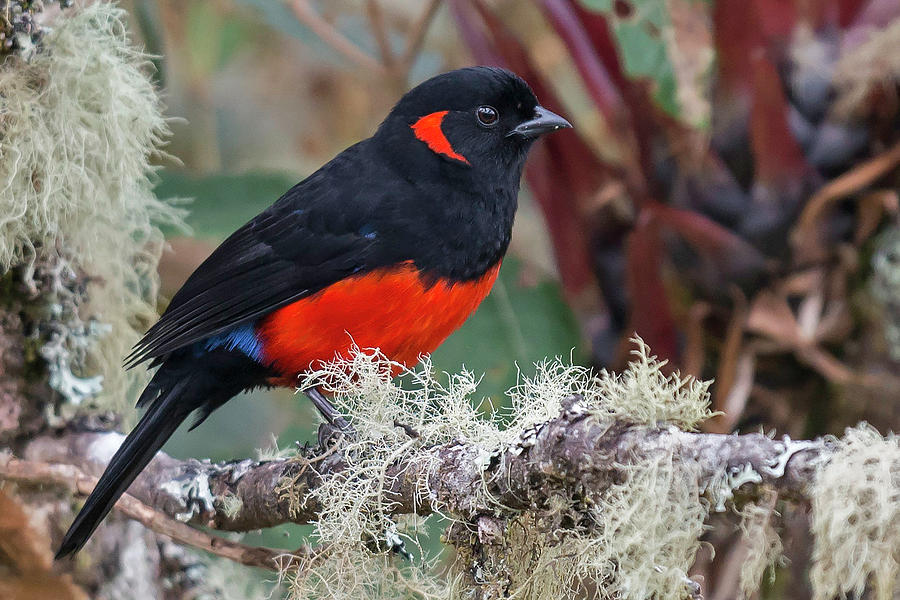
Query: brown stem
{"points": [[417, 34], [379, 29], [308, 16]]}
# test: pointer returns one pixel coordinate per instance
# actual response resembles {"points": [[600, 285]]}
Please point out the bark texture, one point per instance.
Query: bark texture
{"points": [[571, 451]]}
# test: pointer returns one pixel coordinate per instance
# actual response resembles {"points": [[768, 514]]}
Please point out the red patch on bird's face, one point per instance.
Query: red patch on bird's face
{"points": [[428, 129]]}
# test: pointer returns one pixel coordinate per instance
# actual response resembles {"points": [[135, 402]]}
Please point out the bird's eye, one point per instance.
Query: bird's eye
{"points": [[487, 115]]}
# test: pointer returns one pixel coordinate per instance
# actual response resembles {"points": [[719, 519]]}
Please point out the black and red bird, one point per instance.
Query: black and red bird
{"points": [[391, 245]]}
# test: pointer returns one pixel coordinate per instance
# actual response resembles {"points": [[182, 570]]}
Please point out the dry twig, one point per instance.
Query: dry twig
{"points": [[390, 65], [307, 15], [417, 33]]}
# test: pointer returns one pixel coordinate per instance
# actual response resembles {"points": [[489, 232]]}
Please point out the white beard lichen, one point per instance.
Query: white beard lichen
{"points": [[764, 549], [856, 517], [641, 395], [81, 122], [636, 540]]}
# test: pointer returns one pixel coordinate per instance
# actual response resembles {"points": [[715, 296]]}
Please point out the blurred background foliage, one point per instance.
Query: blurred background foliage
{"points": [[724, 192]]}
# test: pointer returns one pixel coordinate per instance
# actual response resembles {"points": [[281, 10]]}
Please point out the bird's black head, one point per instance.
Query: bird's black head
{"points": [[477, 120]]}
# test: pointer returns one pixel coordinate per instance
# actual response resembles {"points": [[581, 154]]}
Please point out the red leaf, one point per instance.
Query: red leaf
{"points": [[848, 11], [777, 155], [776, 18], [566, 226], [598, 81], [651, 316], [633, 115], [737, 32], [598, 31]]}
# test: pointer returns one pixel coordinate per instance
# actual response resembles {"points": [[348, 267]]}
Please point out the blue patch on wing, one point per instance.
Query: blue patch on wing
{"points": [[368, 231], [242, 338]]}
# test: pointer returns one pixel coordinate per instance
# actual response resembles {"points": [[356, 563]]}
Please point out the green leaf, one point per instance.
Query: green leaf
{"points": [[222, 203], [212, 37], [669, 43]]}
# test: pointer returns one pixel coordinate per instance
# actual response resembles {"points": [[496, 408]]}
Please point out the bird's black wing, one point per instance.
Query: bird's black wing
{"points": [[315, 235]]}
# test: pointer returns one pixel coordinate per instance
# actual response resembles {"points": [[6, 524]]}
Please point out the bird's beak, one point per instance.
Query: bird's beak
{"points": [[543, 121]]}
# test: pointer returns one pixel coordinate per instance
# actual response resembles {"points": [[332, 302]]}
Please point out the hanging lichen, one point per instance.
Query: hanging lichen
{"points": [[856, 517], [81, 122]]}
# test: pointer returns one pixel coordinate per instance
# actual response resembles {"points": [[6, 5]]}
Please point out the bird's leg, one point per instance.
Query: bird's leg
{"points": [[328, 412], [412, 433]]}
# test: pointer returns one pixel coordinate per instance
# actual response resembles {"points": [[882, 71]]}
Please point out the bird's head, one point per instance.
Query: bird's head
{"points": [[477, 119]]}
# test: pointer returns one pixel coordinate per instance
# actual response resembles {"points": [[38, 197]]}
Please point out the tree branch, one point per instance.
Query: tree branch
{"points": [[72, 478], [572, 449]]}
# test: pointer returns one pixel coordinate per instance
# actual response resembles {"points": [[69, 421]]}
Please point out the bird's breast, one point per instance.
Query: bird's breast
{"points": [[394, 309]]}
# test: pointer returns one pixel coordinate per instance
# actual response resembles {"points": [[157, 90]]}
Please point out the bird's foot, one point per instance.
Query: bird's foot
{"points": [[331, 415], [331, 433], [395, 543], [412, 433]]}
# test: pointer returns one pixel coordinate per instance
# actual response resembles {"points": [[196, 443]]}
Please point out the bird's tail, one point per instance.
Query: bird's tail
{"points": [[157, 425]]}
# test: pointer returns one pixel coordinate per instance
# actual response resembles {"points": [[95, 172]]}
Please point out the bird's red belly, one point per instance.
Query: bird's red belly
{"points": [[391, 309]]}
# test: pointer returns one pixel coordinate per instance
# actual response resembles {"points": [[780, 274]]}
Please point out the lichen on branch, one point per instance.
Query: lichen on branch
{"points": [[576, 501], [81, 125], [856, 517], [561, 538]]}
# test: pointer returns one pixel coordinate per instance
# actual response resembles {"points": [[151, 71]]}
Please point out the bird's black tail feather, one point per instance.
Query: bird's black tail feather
{"points": [[157, 425]]}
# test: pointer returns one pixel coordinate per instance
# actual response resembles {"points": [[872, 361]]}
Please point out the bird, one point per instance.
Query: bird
{"points": [[392, 245]]}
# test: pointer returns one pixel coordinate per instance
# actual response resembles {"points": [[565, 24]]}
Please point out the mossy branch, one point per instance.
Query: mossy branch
{"points": [[574, 453], [595, 479]]}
